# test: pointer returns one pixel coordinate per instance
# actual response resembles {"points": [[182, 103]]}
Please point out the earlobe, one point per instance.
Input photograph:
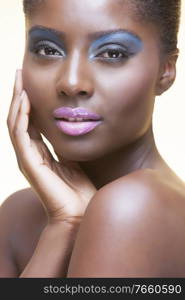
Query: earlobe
{"points": [[167, 75]]}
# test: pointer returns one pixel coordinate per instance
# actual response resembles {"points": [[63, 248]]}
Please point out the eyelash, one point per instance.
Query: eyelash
{"points": [[53, 49], [48, 46], [122, 54]]}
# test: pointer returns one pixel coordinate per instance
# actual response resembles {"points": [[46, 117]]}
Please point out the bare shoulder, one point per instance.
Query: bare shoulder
{"points": [[22, 201], [22, 219], [144, 188], [21, 209], [141, 191], [136, 224]]}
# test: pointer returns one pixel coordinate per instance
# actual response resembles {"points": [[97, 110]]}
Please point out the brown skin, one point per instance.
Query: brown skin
{"points": [[76, 74], [139, 198]]}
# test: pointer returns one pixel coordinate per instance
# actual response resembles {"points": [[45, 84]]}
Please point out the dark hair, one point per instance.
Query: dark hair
{"points": [[30, 5], [165, 14]]}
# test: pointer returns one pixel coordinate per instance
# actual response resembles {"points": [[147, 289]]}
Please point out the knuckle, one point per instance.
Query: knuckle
{"points": [[21, 168], [20, 162], [8, 122], [9, 126]]}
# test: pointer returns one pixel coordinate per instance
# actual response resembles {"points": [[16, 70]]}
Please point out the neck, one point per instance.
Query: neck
{"points": [[139, 155]]}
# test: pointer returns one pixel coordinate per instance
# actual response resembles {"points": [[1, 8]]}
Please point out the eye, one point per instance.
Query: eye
{"points": [[48, 49], [113, 54]]}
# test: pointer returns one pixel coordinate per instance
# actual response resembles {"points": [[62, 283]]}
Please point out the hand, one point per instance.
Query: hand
{"points": [[64, 189]]}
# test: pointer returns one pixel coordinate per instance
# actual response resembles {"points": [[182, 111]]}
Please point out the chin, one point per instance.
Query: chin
{"points": [[78, 150], [79, 155]]}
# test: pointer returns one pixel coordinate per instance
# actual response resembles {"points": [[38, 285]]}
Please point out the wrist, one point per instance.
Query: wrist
{"points": [[67, 227], [66, 221]]}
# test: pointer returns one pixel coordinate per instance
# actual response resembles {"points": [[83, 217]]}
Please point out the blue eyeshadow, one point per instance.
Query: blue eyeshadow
{"points": [[129, 41], [37, 34], [123, 40]]}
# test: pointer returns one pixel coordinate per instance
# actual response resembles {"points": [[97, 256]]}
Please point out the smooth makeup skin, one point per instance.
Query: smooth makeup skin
{"points": [[81, 72]]}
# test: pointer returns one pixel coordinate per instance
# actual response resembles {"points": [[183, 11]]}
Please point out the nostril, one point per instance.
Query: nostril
{"points": [[82, 93], [62, 93]]}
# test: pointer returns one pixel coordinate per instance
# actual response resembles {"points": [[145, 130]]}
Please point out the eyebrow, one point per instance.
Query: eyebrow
{"points": [[93, 36], [106, 33], [50, 30]]}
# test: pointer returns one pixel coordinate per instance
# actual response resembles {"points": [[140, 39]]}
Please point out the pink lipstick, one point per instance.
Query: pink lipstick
{"points": [[76, 121]]}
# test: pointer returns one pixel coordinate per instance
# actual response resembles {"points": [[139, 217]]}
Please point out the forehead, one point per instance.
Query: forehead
{"points": [[81, 16]]}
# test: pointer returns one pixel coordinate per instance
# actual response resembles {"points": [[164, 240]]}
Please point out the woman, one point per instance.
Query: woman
{"points": [[108, 205]]}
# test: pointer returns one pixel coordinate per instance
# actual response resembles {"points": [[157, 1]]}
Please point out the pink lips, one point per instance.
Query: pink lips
{"points": [[77, 121]]}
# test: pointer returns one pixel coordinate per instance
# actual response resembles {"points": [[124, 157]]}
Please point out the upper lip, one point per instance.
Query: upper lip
{"points": [[78, 112]]}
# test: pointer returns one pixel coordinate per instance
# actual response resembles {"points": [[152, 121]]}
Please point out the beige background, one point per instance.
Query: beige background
{"points": [[169, 116]]}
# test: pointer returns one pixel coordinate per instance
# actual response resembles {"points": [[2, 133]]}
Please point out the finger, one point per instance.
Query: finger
{"points": [[16, 133], [71, 172], [33, 132], [71, 165], [18, 86], [37, 139], [26, 136], [16, 99], [20, 134]]}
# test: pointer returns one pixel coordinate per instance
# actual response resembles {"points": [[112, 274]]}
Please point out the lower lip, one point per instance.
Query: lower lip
{"points": [[77, 128]]}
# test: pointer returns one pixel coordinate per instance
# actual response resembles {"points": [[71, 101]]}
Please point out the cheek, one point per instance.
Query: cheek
{"points": [[39, 89], [32, 84], [130, 92]]}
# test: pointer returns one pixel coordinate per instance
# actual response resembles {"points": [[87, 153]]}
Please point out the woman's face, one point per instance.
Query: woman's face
{"points": [[95, 55]]}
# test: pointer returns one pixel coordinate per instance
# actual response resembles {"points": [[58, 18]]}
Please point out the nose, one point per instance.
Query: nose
{"points": [[75, 79]]}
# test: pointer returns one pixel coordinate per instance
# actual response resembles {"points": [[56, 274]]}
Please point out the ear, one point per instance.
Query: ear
{"points": [[167, 74]]}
